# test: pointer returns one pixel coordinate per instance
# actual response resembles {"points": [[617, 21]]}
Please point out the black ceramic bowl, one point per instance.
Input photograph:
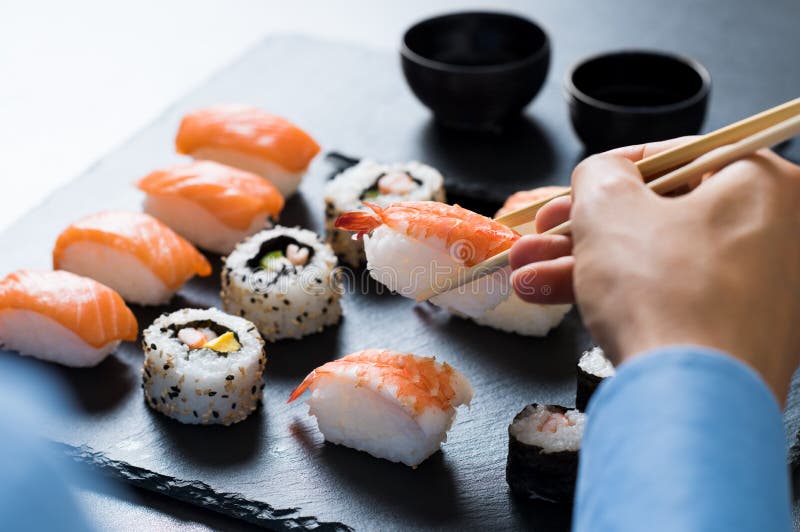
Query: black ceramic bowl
{"points": [[631, 97], [475, 70]]}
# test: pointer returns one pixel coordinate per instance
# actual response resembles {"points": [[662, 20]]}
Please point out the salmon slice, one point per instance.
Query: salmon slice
{"points": [[232, 196], [94, 312], [168, 256], [249, 130], [416, 382], [448, 226], [524, 198]]}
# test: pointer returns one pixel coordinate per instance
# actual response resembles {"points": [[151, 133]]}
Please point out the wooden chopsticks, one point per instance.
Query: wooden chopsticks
{"points": [[707, 153], [679, 155]]}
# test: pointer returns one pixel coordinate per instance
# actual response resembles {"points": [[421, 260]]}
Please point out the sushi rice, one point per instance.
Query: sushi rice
{"points": [[200, 385], [593, 368], [284, 300], [517, 316]]}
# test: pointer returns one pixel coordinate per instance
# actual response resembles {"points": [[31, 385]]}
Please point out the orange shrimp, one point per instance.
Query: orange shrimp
{"points": [[417, 382], [447, 224]]}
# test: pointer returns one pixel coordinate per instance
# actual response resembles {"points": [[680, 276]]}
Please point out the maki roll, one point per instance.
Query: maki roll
{"points": [[203, 366], [593, 367], [379, 184], [543, 445], [283, 280], [396, 406]]}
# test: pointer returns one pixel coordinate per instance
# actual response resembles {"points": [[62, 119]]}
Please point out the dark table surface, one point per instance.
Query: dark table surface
{"points": [[748, 48]]}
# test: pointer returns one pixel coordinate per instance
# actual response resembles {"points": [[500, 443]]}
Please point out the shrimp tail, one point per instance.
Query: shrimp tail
{"points": [[302, 387], [360, 221]]}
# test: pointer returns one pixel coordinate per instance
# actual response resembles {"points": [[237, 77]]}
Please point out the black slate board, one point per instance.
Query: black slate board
{"points": [[273, 469]]}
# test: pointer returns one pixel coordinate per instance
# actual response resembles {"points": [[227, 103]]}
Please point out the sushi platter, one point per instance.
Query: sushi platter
{"points": [[264, 460]]}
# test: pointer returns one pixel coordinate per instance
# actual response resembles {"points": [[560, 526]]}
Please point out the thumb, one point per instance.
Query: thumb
{"points": [[605, 187]]}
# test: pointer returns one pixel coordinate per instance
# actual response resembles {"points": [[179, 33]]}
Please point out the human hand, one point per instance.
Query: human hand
{"points": [[717, 267]]}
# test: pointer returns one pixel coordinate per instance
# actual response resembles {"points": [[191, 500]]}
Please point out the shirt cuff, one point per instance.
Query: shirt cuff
{"points": [[683, 438]]}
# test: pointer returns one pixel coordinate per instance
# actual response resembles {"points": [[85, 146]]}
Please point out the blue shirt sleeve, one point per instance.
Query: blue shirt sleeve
{"points": [[683, 438]]}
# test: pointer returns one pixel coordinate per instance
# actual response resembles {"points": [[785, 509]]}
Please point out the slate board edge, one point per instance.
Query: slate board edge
{"points": [[199, 493]]}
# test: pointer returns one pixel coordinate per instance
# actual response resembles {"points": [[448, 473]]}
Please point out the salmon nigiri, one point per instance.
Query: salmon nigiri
{"points": [[414, 245], [251, 139], [62, 317], [392, 405], [212, 205], [133, 253], [523, 198]]}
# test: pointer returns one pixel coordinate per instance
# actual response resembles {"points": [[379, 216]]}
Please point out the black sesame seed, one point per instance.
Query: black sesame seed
{"points": [[253, 390], [325, 310], [195, 413], [225, 396], [233, 406], [253, 300], [241, 313], [262, 386], [212, 394], [166, 366], [229, 378], [286, 302], [147, 372], [175, 389], [330, 300], [305, 314], [216, 414], [163, 400], [318, 280], [276, 309], [153, 403]]}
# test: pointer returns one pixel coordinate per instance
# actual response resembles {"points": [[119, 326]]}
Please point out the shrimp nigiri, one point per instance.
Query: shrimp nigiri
{"points": [[391, 405], [413, 245], [513, 314], [212, 205], [62, 317], [133, 253], [251, 139]]}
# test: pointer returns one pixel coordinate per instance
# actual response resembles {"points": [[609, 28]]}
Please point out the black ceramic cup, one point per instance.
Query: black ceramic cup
{"points": [[630, 97], [475, 70]]}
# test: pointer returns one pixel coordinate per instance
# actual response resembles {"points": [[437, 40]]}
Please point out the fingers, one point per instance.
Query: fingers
{"points": [[743, 177], [536, 248], [548, 282], [606, 188], [642, 151], [554, 213]]}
